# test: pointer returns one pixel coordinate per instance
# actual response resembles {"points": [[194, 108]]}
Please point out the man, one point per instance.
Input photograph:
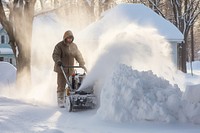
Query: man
{"points": [[63, 55]]}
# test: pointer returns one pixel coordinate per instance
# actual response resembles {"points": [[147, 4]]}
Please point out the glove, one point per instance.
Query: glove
{"points": [[59, 63]]}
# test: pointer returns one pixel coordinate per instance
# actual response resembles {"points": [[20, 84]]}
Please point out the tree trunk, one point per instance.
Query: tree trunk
{"points": [[19, 29], [24, 39], [183, 58], [192, 43]]}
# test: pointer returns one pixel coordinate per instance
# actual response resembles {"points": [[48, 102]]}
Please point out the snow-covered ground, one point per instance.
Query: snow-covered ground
{"points": [[131, 102], [20, 117], [138, 89]]}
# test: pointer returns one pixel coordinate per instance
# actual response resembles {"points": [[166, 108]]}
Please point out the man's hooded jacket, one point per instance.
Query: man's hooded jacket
{"points": [[66, 53]]}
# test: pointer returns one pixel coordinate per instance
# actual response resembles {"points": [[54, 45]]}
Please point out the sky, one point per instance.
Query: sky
{"points": [[137, 86]]}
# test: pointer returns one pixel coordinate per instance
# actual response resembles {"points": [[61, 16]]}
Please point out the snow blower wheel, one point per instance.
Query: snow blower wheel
{"points": [[68, 104]]}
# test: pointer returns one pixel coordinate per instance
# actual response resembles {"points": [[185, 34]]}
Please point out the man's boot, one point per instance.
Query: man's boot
{"points": [[60, 99]]}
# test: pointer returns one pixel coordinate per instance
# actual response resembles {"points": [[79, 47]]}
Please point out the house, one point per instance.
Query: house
{"points": [[6, 53], [124, 14]]}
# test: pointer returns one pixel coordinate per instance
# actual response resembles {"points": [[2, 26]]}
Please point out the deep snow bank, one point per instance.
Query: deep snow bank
{"points": [[191, 106], [130, 95]]}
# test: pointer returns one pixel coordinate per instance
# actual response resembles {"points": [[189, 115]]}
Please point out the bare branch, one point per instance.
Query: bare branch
{"points": [[155, 5]]}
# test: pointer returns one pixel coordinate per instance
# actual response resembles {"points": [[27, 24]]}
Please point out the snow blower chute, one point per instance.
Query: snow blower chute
{"points": [[75, 98]]}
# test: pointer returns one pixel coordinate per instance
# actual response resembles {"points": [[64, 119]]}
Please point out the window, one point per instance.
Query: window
{"points": [[1, 58], [2, 39], [11, 61]]}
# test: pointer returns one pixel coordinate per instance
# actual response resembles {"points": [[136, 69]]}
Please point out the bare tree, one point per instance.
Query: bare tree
{"points": [[197, 39], [19, 28], [185, 14], [156, 5]]}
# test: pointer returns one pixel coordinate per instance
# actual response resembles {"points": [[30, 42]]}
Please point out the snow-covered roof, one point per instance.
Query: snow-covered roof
{"points": [[6, 51], [124, 14]]}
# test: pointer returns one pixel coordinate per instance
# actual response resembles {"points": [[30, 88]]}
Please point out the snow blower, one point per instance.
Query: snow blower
{"points": [[74, 98]]}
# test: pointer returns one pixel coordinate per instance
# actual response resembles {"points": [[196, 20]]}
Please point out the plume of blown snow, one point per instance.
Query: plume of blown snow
{"points": [[140, 47]]}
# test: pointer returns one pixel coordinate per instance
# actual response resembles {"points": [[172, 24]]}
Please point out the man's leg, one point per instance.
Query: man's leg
{"points": [[61, 82]]}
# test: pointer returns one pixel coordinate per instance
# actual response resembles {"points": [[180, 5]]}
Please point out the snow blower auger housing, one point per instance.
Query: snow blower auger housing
{"points": [[74, 98]]}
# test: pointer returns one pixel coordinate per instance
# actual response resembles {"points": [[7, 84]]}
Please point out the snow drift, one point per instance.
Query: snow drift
{"points": [[191, 100], [129, 95]]}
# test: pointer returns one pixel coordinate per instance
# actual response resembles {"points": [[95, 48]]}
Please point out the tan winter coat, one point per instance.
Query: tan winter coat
{"points": [[66, 53]]}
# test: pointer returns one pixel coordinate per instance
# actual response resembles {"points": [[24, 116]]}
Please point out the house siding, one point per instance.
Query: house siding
{"points": [[6, 55]]}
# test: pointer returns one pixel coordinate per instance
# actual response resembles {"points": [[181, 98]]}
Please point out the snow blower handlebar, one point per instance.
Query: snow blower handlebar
{"points": [[83, 67], [67, 80]]}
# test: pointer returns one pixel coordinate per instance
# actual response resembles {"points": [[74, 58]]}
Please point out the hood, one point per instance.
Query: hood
{"points": [[68, 34]]}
